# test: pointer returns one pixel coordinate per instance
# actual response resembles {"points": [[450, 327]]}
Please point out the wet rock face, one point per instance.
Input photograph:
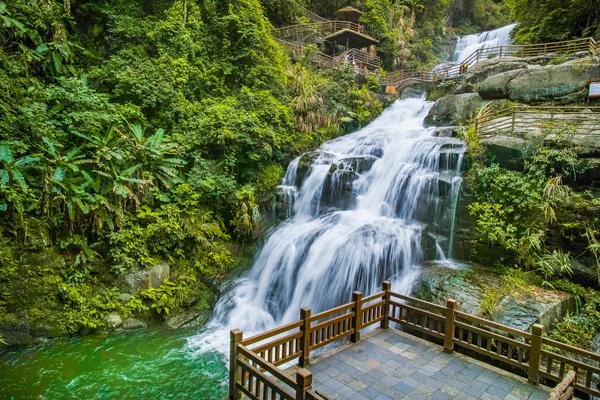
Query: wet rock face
{"points": [[456, 109], [338, 189], [519, 308]]}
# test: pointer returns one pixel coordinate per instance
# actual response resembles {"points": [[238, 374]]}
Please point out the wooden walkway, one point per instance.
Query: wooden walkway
{"points": [[397, 79], [390, 364], [533, 121]]}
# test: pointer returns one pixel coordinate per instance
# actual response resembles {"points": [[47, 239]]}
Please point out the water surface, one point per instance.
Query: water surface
{"points": [[148, 364]]}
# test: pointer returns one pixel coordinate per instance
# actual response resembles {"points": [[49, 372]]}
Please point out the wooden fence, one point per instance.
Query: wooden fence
{"points": [[524, 51], [254, 361], [358, 58], [519, 119], [316, 31]]}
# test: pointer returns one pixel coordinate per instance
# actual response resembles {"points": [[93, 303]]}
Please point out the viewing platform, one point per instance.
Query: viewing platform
{"points": [[411, 349], [391, 364]]}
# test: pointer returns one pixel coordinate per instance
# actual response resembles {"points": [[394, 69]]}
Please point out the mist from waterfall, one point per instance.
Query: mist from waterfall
{"points": [[359, 210]]}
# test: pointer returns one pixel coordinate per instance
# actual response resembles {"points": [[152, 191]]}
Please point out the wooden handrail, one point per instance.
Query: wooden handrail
{"points": [[525, 50], [504, 120], [527, 351]]}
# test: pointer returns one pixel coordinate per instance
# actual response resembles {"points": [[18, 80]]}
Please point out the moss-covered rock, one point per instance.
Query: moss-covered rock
{"points": [[483, 292], [456, 109], [564, 83]]}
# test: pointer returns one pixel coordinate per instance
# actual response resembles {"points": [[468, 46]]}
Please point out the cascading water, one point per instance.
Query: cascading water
{"points": [[362, 205], [466, 45]]}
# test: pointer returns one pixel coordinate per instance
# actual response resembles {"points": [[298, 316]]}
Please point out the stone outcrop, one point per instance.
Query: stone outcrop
{"points": [[453, 110], [564, 83], [113, 320], [133, 323], [139, 279], [519, 308]]}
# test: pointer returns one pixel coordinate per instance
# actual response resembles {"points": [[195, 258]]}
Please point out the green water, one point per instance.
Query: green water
{"points": [[145, 364]]}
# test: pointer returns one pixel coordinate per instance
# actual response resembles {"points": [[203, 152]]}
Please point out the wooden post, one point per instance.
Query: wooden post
{"points": [[535, 355], [357, 299], [305, 314], [235, 336], [385, 322], [449, 326], [304, 383]]}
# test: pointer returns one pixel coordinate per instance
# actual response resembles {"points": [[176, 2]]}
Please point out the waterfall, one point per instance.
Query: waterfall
{"points": [[362, 206], [466, 45]]}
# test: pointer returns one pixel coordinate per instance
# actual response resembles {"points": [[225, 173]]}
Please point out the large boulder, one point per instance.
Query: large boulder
{"points": [[113, 320], [158, 274], [139, 279], [564, 83], [508, 151], [192, 317], [470, 285], [133, 323], [456, 109], [493, 66]]}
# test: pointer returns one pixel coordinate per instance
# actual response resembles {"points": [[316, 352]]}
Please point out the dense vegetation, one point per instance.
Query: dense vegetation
{"points": [[543, 220], [555, 20], [138, 132]]}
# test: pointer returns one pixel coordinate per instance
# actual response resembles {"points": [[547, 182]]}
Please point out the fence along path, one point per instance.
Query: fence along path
{"points": [[296, 37], [523, 51], [254, 361], [519, 119]]}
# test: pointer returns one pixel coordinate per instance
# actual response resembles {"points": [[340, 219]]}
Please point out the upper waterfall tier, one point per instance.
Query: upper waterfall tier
{"points": [[466, 45]]}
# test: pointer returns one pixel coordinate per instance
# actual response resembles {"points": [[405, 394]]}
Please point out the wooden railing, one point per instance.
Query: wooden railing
{"points": [[314, 17], [359, 58], [355, 57], [315, 56], [315, 31], [525, 51], [254, 361], [494, 119]]}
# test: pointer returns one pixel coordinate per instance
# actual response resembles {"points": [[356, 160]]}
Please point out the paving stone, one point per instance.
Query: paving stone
{"points": [[439, 395], [395, 367], [404, 388]]}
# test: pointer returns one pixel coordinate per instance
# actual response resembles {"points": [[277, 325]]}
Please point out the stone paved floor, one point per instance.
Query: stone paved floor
{"points": [[389, 364]]}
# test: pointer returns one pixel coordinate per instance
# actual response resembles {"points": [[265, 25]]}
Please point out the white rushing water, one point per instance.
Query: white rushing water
{"points": [[467, 45], [361, 206]]}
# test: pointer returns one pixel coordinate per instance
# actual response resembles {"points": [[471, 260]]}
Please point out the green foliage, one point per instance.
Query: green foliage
{"points": [[554, 20], [579, 329], [478, 15], [136, 132], [553, 265]]}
